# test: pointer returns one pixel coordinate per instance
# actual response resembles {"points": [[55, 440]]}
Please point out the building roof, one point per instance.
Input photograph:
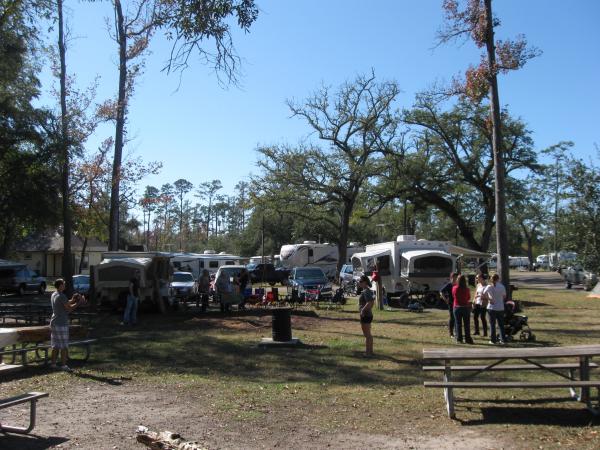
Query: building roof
{"points": [[48, 242]]}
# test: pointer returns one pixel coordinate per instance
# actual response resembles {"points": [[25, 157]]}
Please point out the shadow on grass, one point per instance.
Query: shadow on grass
{"points": [[113, 381], [30, 442], [177, 345], [563, 417]]}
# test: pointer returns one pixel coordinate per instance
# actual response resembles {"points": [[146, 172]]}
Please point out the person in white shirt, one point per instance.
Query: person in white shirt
{"points": [[479, 305], [495, 294]]}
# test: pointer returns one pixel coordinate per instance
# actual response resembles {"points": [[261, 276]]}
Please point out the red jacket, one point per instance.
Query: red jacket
{"points": [[461, 296]]}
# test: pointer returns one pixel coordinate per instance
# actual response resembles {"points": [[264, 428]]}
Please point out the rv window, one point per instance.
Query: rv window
{"points": [[432, 264], [310, 252], [213, 264], [230, 263], [403, 265], [384, 264]]}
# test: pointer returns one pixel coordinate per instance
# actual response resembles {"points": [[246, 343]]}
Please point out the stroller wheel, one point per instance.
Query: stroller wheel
{"points": [[526, 335]]}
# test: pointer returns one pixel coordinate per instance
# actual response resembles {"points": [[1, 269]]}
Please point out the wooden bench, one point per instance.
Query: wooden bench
{"points": [[32, 398], [577, 377]]}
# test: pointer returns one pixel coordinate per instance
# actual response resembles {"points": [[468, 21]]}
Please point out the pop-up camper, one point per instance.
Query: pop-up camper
{"points": [[408, 266], [116, 269]]}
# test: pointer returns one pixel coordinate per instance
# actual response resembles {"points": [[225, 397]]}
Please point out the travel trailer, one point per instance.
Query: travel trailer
{"points": [[518, 262], [259, 259], [562, 259], [353, 247], [197, 262], [409, 267], [309, 253], [112, 276]]}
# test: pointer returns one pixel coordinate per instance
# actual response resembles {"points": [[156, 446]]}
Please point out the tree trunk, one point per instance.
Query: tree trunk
{"points": [[67, 265], [83, 249], [343, 240], [499, 171], [113, 239]]}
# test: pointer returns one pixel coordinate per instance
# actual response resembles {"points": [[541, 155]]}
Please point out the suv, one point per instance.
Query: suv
{"points": [[311, 281], [266, 273], [579, 276], [183, 286], [19, 279]]}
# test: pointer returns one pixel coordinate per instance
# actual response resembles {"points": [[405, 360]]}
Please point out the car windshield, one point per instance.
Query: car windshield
{"points": [[183, 277], [309, 273]]}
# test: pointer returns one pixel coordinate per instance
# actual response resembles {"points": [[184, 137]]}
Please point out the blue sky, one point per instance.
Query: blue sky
{"points": [[201, 131]]}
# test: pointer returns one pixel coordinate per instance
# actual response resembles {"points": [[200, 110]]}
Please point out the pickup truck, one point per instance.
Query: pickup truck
{"points": [[267, 273], [577, 275]]}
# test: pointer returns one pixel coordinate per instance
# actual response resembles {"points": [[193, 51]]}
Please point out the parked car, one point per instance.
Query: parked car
{"points": [[577, 275], [81, 284], [346, 274], [183, 286], [20, 279], [266, 273], [311, 281]]}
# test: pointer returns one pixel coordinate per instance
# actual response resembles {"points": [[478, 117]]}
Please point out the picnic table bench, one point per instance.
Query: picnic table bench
{"points": [[573, 374], [32, 398]]}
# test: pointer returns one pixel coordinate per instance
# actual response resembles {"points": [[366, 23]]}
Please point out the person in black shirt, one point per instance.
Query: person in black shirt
{"points": [[446, 293], [130, 316]]}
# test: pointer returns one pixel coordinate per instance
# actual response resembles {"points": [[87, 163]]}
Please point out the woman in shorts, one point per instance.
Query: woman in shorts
{"points": [[365, 305]]}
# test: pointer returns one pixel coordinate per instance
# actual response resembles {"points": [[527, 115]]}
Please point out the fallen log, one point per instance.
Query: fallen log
{"points": [[165, 440]]}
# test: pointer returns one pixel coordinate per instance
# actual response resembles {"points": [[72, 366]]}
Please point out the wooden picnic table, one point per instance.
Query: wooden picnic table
{"points": [[538, 359]]}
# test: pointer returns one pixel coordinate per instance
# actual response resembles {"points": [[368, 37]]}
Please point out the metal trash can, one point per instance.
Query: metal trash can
{"points": [[282, 324]]}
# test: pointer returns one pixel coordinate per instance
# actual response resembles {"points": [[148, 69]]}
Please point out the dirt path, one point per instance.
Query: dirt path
{"points": [[105, 416]]}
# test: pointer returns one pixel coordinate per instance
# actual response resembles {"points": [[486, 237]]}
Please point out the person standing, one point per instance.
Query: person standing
{"points": [[462, 310], [365, 308], [133, 296], [446, 293], [59, 324], [495, 294], [376, 278], [203, 290], [244, 280], [479, 305]]}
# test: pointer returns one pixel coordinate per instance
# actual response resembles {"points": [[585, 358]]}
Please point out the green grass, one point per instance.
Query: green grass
{"points": [[330, 378]]}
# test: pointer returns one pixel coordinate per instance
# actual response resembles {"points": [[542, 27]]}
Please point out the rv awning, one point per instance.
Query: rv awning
{"points": [[128, 261], [371, 254], [417, 253], [463, 251]]}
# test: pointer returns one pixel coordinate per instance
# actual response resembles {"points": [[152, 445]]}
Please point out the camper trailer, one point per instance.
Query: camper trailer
{"points": [[259, 259], [409, 267], [309, 253], [197, 262], [116, 269], [353, 247], [561, 260]]}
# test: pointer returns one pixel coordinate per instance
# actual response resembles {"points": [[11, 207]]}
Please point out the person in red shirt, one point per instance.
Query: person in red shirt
{"points": [[462, 310]]}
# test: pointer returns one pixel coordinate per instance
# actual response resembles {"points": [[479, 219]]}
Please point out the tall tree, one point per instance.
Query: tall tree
{"points": [[476, 20], [182, 187], [190, 25], [357, 125], [208, 190]]}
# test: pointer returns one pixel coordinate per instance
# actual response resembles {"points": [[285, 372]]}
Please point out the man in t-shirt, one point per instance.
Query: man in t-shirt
{"points": [[59, 323], [446, 293], [496, 295]]}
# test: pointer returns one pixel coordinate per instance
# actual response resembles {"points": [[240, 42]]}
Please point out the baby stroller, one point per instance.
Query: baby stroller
{"points": [[516, 324]]}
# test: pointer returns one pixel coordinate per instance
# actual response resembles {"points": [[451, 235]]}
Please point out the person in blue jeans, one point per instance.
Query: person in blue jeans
{"points": [[133, 298], [496, 295]]}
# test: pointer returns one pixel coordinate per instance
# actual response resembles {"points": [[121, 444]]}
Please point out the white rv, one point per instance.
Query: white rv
{"points": [[259, 259], [562, 259], [309, 253], [197, 262], [353, 247], [410, 266], [116, 269]]}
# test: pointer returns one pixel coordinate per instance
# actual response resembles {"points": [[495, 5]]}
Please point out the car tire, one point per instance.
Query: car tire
{"points": [[42, 289], [21, 291]]}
